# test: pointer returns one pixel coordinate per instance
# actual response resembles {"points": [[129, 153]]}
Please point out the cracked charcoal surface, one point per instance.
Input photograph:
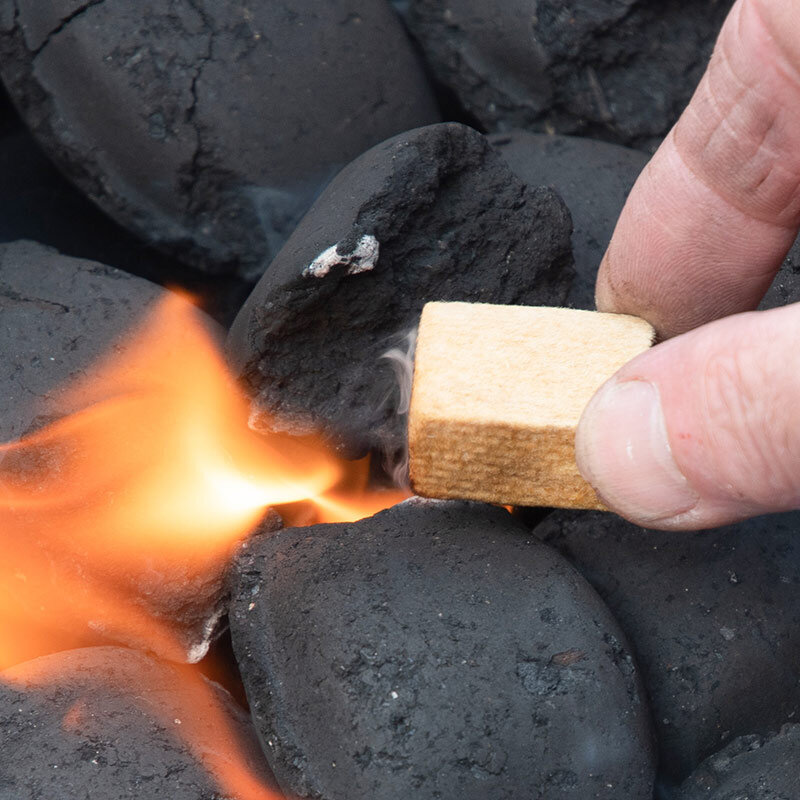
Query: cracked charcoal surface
{"points": [[57, 316], [594, 179], [432, 214], [714, 619], [749, 768], [208, 128], [621, 71], [105, 723], [38, 203], [435, 650]]}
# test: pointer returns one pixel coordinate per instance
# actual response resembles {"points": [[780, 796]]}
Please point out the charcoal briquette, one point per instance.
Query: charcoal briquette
{"points": [[593, 178], [435, 650], [619, 71], [38, 203], [431, 214], [109, 723], [713, 618], [749, 768], [785, 287], [59, 316], [208, 128]]}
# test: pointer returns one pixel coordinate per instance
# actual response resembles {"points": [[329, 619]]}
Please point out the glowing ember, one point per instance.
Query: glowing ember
{"points": [[134, 502]]}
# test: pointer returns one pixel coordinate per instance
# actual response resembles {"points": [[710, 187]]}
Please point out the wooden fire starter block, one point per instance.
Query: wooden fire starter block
{"points": [[497, 395]]}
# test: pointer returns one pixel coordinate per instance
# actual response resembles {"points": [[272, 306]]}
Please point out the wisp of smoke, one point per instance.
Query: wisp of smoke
{"points": [[401, 360]]}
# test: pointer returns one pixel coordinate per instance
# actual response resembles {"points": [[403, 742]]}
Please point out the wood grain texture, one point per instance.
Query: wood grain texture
{"points": [[497, 395]]}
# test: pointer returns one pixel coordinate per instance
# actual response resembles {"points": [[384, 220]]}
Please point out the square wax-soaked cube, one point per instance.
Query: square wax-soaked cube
{"points": [[497, 395]]}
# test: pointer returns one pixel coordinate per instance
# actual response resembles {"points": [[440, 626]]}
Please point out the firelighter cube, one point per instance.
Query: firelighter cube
{"points": [[497, 395]]}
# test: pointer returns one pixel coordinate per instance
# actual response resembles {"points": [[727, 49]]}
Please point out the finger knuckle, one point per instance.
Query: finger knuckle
{"points": [[746, 118]]}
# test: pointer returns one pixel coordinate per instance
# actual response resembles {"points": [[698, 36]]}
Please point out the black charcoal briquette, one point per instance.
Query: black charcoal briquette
{"points": [[435, 650], [38, 203], [785, 288], [58, 316], [108, 723], [621, 71], [750, 768], [593, 178], [432, 214], [713, 617], [208, 128]]}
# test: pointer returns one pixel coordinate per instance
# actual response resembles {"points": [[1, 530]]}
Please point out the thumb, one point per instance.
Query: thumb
{"points": [[703, 429]]}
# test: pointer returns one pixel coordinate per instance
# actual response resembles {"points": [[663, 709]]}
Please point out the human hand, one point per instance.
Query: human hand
{"points": [[704, 429]]}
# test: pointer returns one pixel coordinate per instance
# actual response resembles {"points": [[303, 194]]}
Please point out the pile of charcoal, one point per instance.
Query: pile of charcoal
{"points": [[314, 172]]}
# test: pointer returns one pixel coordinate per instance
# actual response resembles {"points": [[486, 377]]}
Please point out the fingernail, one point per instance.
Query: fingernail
{"points": [[623, 450]]}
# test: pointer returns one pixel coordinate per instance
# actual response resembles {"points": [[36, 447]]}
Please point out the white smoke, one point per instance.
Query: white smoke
{"points": [[401, 360]]}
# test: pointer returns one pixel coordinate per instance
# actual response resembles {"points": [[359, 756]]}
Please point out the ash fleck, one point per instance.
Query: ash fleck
{"points": [[728, 634], [362, 258]]}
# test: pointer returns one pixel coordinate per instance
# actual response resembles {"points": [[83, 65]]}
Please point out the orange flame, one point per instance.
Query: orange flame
{"points": [[129, 507]]}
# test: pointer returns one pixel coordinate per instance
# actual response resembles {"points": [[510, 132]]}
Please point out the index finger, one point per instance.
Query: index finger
{"points": [[715, 211]]}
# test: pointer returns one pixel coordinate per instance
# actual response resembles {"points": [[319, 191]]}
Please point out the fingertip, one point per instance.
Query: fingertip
{"points": [[622, 449], [699, 431]]}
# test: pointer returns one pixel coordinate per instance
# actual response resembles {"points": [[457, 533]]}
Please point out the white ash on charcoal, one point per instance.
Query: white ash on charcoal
{"points": [[435, 650], [109, 723], [432, 214], [593, 178], [620, 71], [713, 618], [208, 128], [749, 768], [58, 316]]}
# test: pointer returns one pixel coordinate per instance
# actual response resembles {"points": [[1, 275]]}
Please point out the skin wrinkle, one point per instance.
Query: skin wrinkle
{"points": [[768, 123], [726, 62], [726, 396], [739, 430], [649, 214], [791, 69], [668, 284], [733, 441], [757, 125], [706, 93], [702, 160], [776, 420], [679, 270], [769, 120]]}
